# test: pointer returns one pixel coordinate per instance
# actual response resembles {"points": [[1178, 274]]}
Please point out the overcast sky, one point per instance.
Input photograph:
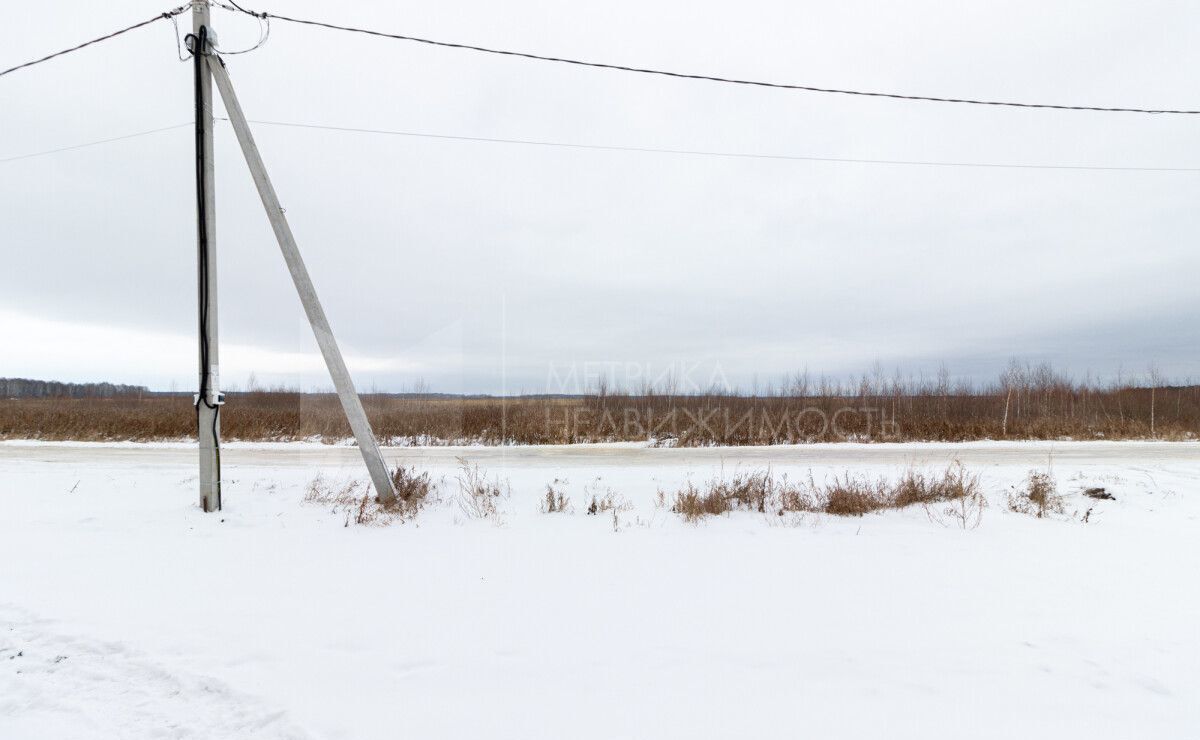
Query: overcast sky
{"points": [[490, 267]]}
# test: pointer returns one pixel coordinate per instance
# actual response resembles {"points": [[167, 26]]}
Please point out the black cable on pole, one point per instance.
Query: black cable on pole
{"points": [[161, 16], [198, 45], [707, 78]]}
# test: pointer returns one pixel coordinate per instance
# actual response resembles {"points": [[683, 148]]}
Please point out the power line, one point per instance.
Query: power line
{"points": [[707, 78], [709, 153], [265, 16], [94, 143], [632, 149], [161, 16], [264, 33]]}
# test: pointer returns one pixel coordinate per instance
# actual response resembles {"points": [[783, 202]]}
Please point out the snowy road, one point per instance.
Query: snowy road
{"points": [[125, 612], [618, 454]]}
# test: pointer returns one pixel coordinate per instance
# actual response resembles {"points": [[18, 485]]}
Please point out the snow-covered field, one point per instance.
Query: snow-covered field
{"points": [[127, 613]]}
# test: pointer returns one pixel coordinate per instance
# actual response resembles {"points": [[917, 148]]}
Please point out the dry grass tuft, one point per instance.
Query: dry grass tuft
{"points": [[556, 501], [749, 491], [479, 497], [962, 492], [855, 496], [693, 504], [360, 504], [1040, 496], [412, 491], [847, 495], [916, 487], [604, 499], [798, 500]]}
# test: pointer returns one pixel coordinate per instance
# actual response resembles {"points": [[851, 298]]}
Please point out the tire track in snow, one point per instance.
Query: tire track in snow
{"points": [[53, 685]]}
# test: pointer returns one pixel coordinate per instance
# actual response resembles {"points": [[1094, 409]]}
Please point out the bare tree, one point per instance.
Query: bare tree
{"points": [[1155, 378]]}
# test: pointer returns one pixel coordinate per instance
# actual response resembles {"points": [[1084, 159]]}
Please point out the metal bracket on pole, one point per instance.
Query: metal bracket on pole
{"points": [[351, 403]]}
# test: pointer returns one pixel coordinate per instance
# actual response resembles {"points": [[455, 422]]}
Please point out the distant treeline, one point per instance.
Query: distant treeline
{"points": [[1026, 402], [26, 388]]}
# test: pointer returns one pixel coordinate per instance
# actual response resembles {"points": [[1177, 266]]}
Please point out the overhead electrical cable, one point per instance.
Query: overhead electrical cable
{"points": [[94, 143], [265, 16], [710, 153], [704, 77], [161, 16], [631, 149]]}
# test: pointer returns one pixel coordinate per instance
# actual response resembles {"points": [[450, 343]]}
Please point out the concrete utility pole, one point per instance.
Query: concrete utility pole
{"points": [[209, 399], [351, 403]]}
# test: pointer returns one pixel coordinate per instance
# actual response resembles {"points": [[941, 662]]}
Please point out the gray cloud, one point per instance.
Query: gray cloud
{"points": [[479, 266]]}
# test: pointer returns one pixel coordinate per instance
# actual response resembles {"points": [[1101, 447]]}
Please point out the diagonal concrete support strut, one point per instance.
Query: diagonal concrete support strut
{"points": [[351, 403]]}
